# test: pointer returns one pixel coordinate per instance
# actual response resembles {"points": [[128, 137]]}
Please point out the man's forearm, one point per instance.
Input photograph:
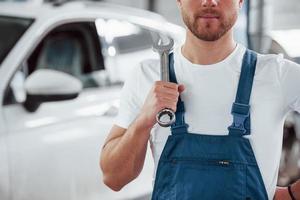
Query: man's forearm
{"points": [[123, 158]]}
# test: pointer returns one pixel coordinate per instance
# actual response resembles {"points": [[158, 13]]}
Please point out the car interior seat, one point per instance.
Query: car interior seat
{"points": [[62, 54]]}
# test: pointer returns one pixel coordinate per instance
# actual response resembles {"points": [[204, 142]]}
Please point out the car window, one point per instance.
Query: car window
{"points": [[11, 30], [125, 36], [70, 48], [126, 44], [134, 42]]}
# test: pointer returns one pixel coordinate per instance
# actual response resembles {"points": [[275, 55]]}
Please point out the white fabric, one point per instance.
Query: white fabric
{"points": [[208, 97]]}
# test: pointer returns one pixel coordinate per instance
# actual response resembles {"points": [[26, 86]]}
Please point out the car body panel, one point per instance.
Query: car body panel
{"points": [[74, 150], [5, 191]]}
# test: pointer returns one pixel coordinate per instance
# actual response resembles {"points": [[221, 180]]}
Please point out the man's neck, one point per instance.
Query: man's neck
{"points": [[205, 53]]}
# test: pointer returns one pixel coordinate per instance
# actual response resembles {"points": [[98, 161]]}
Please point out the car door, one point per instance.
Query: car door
{"points": [[4, 171], [14, 27], [54, 150]]}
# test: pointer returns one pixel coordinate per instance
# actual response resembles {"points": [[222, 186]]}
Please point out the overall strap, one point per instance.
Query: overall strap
{"points": [[179, 127], [241, 108]]}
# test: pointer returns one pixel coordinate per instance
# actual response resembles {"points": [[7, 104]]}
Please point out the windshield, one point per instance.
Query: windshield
{"points": [[11, 30]]}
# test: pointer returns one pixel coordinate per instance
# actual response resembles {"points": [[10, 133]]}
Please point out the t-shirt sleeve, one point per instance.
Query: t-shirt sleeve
{"points": [[129, 99], [290, 83]]}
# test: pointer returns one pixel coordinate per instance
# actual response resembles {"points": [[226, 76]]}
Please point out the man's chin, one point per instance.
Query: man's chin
{"points": [[208, 38], [209, 35]]}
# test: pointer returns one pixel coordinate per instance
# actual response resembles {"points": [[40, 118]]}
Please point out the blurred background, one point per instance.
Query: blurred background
{"points": [[61, 72]]}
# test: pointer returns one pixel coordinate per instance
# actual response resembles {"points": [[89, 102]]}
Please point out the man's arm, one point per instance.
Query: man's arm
{"points": [[289, 78], [123, 154], [295, 189]]}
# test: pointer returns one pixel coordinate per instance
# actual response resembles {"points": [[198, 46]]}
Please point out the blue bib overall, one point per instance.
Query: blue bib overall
{"points": [[212, 167]]}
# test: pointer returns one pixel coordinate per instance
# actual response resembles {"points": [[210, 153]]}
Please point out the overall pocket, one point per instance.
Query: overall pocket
{"points": [[208, 179]]}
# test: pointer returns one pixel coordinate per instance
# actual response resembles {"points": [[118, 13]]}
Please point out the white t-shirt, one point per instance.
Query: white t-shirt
{"points": [[209, 93]]}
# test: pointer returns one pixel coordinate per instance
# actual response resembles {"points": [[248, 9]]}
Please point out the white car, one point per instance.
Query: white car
{"points": [[61, 71]]}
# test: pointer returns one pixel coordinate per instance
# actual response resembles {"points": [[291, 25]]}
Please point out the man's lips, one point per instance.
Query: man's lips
{"points": [[209, 16]]}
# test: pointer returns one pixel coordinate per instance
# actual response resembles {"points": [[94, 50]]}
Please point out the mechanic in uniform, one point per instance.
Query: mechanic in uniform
{"points": [[230, 105]]}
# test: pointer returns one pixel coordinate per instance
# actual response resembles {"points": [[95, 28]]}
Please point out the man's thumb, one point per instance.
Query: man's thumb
{"points": [[181, 88]]}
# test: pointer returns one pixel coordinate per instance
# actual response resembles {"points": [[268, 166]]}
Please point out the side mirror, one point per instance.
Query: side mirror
{"points": [[46, 85]]}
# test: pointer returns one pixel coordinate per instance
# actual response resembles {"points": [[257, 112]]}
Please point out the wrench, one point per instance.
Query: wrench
{"points": [[165, 117]]}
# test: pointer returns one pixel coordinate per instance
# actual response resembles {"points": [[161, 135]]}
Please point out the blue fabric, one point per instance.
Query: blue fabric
{"points": [[196, 166], [179, 126], [241, 109]]}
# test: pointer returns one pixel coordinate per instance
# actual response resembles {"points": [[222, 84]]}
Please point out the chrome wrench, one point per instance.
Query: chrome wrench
{"points": [[165, 117]]}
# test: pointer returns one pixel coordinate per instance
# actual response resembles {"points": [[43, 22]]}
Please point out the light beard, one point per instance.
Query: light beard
{"points": [[206, 34]]}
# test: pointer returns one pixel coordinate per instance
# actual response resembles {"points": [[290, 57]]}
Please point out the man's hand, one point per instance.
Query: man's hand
{"points": [[162, 95], [282, 193]]}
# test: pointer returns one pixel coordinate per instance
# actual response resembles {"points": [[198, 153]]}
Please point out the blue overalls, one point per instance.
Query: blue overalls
{"points": [[212, 167]]}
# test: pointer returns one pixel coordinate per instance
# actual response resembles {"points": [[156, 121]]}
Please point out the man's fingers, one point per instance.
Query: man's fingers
{"points": [[169, 98], [167, 84], [167, 92], [168, 104], [181, 88]]}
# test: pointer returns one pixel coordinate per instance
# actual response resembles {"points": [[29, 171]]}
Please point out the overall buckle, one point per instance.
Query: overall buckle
{"points": [[240, 113]]}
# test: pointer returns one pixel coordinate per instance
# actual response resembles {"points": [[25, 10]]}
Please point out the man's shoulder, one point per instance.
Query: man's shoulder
{"points": [[149, 68], [274, 60], [273, 65], [152, 63], [269, 57]]}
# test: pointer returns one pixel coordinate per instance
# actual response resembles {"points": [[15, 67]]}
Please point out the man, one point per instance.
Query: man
{"points": [[209, 67]]}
